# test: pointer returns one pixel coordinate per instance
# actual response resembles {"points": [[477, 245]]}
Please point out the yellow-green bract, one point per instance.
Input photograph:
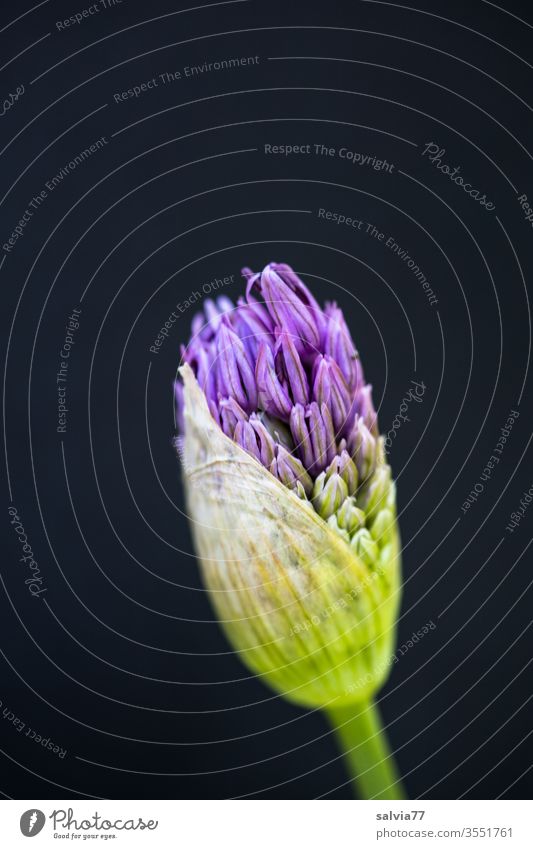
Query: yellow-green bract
{"points": [[311, 613]]}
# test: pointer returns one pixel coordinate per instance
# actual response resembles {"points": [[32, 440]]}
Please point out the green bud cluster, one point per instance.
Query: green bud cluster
{"points": [[363, 512]]}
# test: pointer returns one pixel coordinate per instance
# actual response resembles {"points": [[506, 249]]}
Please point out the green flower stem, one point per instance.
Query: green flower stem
{"points": [[368, 758]]}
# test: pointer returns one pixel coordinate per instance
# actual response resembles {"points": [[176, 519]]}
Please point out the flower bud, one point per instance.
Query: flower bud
{"points": [[272, 564], [382, 526], [328, 494], [291, 501], [273, 395], [330, 388], [344, 466], [350, 517], [377, 493], [362, 447], [290, 471], [365, 547]]}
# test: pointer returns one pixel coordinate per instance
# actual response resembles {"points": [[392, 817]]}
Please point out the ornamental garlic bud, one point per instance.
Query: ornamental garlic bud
{"points": [[291, 501]]}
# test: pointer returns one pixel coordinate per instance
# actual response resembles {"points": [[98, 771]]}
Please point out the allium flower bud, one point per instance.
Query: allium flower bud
{"points": [[291, 501]]}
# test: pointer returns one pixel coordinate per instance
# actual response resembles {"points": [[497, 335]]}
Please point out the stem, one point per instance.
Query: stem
{"points": [[368, 758]]}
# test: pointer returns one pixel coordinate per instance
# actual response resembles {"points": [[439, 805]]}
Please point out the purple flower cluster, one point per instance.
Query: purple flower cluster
{"points": [[283, 379]]}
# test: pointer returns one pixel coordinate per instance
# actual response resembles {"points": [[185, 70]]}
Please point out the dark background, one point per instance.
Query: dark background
{"points": [[120, 661]]}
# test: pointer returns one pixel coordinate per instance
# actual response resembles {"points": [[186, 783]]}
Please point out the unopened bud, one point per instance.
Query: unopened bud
{"points": [[350, 517], [365, 547], [362, 447], [376, 494], [344, 466], [382, 526], [334, 525], [328, 494]]}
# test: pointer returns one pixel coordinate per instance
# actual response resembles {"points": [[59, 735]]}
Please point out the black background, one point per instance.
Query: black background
{"points": [[120, 661]]}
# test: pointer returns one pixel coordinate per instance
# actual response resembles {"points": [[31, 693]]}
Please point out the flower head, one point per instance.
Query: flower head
{"points": [[293, 505]]}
